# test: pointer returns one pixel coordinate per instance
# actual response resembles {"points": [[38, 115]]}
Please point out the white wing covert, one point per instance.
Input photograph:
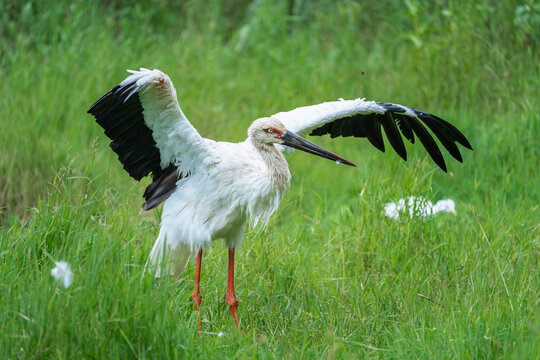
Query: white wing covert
{"points": [[360, 118], [149, 131]]}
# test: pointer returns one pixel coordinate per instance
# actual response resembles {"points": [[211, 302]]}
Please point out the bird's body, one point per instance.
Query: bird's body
{"points": [[418, 206], [213, 203], [211, 189]]}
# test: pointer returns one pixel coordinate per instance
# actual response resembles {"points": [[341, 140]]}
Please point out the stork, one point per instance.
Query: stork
{"points": [[210, 189]]}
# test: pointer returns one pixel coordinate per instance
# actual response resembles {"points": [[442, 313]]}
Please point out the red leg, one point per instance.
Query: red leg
{"points": [[231, 298], [197, 299]]}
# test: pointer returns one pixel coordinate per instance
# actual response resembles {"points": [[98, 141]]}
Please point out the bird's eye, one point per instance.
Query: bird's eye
{"points": [[270, 130]]}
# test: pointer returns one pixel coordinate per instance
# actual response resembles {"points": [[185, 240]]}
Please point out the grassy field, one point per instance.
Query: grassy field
{"points": [[330, 277]]}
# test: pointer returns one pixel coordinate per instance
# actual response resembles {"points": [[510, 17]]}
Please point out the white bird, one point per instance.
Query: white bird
{"points": [[418, 206], [211, 189]]}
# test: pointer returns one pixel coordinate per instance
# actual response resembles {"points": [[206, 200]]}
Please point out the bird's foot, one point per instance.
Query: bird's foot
{"points": [[197, 300], [233, 305]]}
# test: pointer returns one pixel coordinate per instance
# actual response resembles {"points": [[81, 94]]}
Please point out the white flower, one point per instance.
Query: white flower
{"points": [[62, 272], [418, 206]]}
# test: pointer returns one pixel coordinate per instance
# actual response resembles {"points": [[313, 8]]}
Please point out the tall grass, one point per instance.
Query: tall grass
{"points": [[330, 277]]}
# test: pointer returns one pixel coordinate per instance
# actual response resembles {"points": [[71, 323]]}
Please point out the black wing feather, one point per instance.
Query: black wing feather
{"points": [[123, 121], [404, 127], [163, 187], [397, 121], [428, 142], [120, 113], [459, 137], [393, 135], [373, 132], [445, 139]]}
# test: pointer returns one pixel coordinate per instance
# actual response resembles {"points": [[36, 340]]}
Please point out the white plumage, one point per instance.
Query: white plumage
{"points": [[62, 273], [306, 118], [175, 137], [418, 206], [210, 189], [212, 202]]}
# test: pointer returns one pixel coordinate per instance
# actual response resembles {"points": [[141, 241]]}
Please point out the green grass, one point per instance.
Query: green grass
{"points": [[330, 277]]}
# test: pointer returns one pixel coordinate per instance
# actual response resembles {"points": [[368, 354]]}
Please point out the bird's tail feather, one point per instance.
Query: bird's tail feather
{"points": [[166, 260]]}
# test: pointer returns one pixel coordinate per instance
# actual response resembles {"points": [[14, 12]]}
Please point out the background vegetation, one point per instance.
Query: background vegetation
{"points": [[330, 277]]}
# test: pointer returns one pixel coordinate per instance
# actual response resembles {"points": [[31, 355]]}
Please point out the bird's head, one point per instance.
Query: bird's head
{"points": [[445, 205], [268, 131]]}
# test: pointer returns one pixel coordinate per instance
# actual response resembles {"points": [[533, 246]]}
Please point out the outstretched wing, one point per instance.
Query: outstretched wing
{"points": [[149, 131], [360, 118]]}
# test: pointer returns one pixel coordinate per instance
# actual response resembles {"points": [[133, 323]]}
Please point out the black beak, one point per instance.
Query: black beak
{"points": [[298, 142]]}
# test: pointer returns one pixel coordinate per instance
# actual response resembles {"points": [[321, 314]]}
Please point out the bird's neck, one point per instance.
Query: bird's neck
{"points": [[275, 162]]}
